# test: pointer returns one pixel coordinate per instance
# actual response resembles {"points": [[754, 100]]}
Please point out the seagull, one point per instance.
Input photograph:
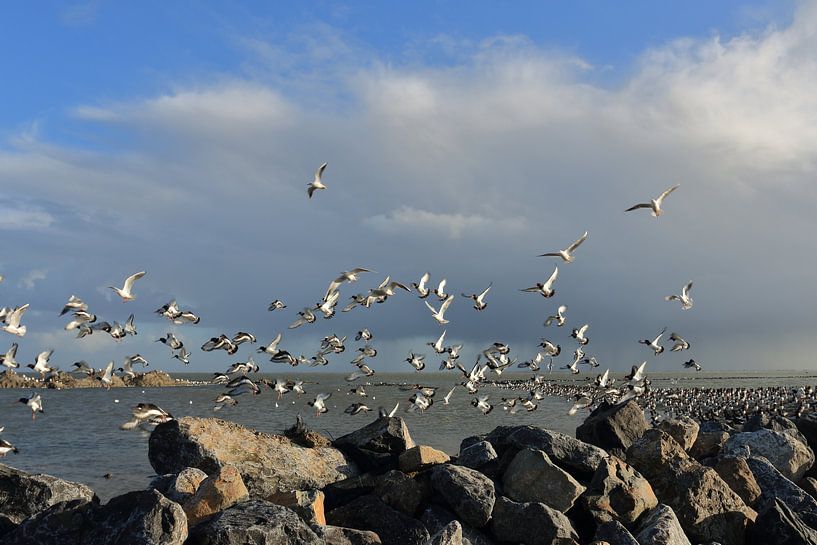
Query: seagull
{"points": [[5, 446], [276, 305], [439, 346], [148, 413], [364, 334], [546, 289], [125, 291], [567, 253], [417, 361], [356, 408], [559, 317], [479, 299], [603, 381], [382, 413], [684, 298], [582, 402], [83, 367], [447, 397], [656, 348], [439, 315], [12, 321], [272, 347], [224, 400], [550, 349], [306, 316], [7, 359], [34, 402], [482, 404], [130, 327], [680, 344], [345, 276], [74, 303], [655, 204], [107, 376], [579, 334], [183, 355], [41, 364], [316, 183], [440, 291], [421, 288], [243, 337], [692, 363], [637, 373], [319, 404], [171, 341]]}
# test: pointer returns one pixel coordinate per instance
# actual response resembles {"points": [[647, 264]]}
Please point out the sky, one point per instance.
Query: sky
{"points": [[178, 138]]}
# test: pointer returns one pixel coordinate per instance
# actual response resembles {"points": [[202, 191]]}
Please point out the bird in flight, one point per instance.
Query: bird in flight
{"points": [[316, 183], [125, 292], [655, 204], [567, 253]]}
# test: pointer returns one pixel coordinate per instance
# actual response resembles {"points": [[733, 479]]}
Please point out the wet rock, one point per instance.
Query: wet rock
{"points": [[736, 473], [450, 534], [683, 429], [268, 463], [661, 527], [421, 457], [788, 454], [774, 486], [254, 522], [215, 493], [371, 513], [308, 504], [708, 444], [613, 426], [401, 492], [615, 534], [532, 477], [531, 523], [618, 493], [476, 455], [469, 493], [337, 535], [23, 494], [779, 525], [377, 447]]}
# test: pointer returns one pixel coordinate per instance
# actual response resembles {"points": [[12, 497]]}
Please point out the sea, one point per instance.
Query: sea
{"points": [[78, 437]]}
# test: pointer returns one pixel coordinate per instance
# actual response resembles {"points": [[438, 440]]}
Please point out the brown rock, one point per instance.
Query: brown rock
{"points": [[214, 494], [533, 477], [376, 447], [337, 535], [618, 492], [708, 443], [736, 473], [307, 503], [683, 429], [401, 492], [421, 457], [809, 485], [613, 426]]}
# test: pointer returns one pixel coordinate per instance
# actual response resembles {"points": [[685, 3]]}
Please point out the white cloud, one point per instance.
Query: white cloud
{"points": [[18, 217], [29, 281], [408, 220]]}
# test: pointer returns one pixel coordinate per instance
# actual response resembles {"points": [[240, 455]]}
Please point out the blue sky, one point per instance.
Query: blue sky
{"points": [[179, 137]]}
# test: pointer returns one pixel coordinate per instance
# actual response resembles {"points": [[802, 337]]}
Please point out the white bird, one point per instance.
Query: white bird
{"points": [[684, 298], [8, 359], [421, 288], [130, 326], [439, 315], [364, 334], [440, 291], [655, 204], [680, 344], [74, 303], [582, 402], [316, 182], [126, 291], [417, 361], [579, 334], [12, 321], [559, 317], [419, 401], [5, 446], [439, 345], [272, 347], [567, 253], [546, 288], [345, 276], [276, 305], [637, 373], [550, 349], [306, 316], [41, 364], [479, 299], [33, 402], [481, 403], [656, 348], [107, 376], [183, 355], [447, 397], [319, 403]]}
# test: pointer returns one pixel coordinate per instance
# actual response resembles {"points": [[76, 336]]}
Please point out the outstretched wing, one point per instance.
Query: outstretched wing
{"points": [[639, 205], [578, 242], [131, 279], [666, 193]]}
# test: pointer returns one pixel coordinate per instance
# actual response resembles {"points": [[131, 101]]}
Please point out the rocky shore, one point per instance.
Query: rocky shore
{"points": [[63, 381], [620, 481]]}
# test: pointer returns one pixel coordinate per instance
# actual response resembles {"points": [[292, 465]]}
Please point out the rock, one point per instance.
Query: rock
{"points": [[531, 523], [23, 495], [184, 485], [661, 527], [421, 457], [370, 513], [613, 426], [152, 379], [618, 493], [683, 429], [342, 492], [268, 463], [773, 485], [809, 486], [254, 522], [450, 534], [215, 493], [532, 477], [615, 534], [476, 455], [377, 447], [716, 425], [779, 525], [708, 444], [807, 426], [401, 492], [144, 517], [435, 517], [337, 535], [759, 421], [706, 507], [303, 436], [736, 473], [308, 504], [788, 454], [469, 493]]}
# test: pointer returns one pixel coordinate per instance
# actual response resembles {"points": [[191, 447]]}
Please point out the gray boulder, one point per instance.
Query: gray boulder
{"points": [[614, 533], [661, 527], [337, 535], [532, 477], [469, 493], [775, 486], [683, 429], [618, 493], [378, 446], [450, 534], [436, 517], [708, 444], [779, 525], [254, 522], [613, 426], [476, 455], [371, 513], [785, 451], [401, 492], [23, 494], [531, 523]]}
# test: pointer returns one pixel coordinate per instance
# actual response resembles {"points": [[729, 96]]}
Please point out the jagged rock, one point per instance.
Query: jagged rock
{"points": [[435, 517], [708, 444], [716, 425], [476, 455], [421, 457], [618, 493], [371, 513], [377, 447], [469, 493], [215, 493], [341, 492], [779, 525], [144, 517], [337, 535], [661, 527], [401, 492], [532, 477], [268, 463], [706, 507], [736, 473], [759, 421], [683, 429], [773, 485], [531, 523], [787, 453], [23, 494], [613, 426], [308, 504], [185, 484], [254, 522], [578, 458], [305, 437], [615, 534], [809, 486], [450, 534]]}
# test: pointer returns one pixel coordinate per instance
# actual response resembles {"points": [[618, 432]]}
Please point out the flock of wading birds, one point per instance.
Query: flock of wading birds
{"points": [[237, 379]]}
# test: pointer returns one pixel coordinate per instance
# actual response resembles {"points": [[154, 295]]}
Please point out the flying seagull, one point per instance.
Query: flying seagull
{"points": [[546, 288], [655, 204], [125, 292], [686, 300], [479, 298], [439, 315], [316, 183], [567, 253]]}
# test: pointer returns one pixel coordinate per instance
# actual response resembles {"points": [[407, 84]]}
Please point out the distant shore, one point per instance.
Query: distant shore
{"points": [[65, 381]]}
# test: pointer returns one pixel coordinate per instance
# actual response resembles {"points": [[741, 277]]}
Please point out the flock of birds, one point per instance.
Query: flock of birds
{"points": [[238, 380]]}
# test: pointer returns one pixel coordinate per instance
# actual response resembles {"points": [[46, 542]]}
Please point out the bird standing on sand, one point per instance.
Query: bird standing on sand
{"points": [[316, 182], [655, 204]]}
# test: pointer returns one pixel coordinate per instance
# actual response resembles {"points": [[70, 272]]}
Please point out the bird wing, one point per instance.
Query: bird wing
{"points": [[441, 286], [552, 278], [550, 254], [131, 279], [578, 242], [423, 279], [13, 319], [583, 329], [358, 270], [685, 289], [485, 292], [319, 172], [446, 304], [639, 205], [333, 287], [666, 193], [432, 309]]}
